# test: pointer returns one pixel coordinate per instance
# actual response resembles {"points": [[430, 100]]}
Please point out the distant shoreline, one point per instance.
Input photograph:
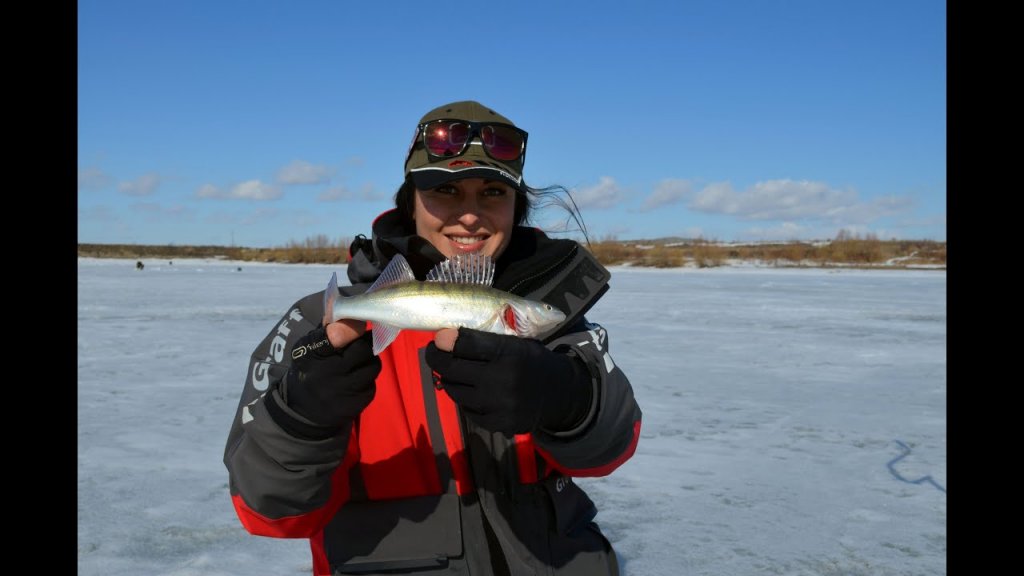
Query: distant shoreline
{"points": [[859, 254]]}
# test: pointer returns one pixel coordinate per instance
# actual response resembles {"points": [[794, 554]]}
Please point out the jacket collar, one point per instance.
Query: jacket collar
{"points": [[529, 259]]}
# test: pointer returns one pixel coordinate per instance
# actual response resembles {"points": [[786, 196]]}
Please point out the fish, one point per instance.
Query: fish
{"points": [[457, 293]]}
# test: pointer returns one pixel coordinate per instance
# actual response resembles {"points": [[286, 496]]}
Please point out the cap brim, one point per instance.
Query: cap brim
{"points": [[432, 177]]}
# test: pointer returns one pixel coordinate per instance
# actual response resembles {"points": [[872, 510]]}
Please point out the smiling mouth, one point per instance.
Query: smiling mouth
{"points": [[467, 240]]}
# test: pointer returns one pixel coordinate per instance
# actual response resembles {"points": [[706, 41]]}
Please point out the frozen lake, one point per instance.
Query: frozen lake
{"points": [[794, 420]]}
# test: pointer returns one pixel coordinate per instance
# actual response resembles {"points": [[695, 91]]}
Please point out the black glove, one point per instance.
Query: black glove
{"points": [[329, 386], [511, 384]]}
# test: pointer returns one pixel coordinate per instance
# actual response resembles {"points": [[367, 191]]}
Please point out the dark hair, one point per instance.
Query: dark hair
{"points": [[528, 200]]}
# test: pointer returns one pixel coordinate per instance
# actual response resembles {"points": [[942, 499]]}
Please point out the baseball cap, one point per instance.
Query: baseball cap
{"points": [[430, 171]]}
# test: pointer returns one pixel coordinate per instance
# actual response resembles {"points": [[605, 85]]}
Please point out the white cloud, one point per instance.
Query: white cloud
{"points": [[142, 186], [254, 190], [783, 232], [335, 193], [605, 194], [208, 191], [366, 193], [717, 198], [260, 215], [248, 190], [791, 200], [862, 213], [692, 232], [667, 192], [158, 212], [93, 179], [302, 172], [256, 216]]}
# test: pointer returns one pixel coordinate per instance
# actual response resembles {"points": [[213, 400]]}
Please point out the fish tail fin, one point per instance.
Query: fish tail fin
{"points": [[330, 296]]}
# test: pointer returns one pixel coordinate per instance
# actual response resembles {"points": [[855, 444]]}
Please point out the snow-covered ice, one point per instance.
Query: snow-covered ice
{"points": [[794, 419]]}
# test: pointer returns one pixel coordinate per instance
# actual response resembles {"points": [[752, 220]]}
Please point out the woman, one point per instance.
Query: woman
{"points": [[452, 451]]}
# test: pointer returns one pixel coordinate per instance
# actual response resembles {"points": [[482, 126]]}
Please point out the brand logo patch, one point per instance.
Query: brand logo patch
{"points": [[278, 345], [561, 483], [460, 163]]}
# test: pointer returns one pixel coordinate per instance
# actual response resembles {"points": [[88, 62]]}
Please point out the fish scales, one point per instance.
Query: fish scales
{"points": [[426, 306], [456, 294]]}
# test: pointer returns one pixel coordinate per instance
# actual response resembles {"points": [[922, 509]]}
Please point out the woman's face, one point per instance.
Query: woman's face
{"points": [[468, 215]]}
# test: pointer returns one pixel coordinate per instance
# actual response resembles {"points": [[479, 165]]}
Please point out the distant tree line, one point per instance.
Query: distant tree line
{"points": [[846, 249]]}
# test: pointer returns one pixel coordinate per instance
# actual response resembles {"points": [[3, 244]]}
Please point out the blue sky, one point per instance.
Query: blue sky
{"points": [[260, 123]]}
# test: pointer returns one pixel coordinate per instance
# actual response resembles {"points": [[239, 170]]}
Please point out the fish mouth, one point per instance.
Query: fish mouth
{"points": [[466, 243]]}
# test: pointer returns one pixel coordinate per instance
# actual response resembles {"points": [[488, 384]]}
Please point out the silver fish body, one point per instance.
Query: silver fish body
{"points": [[456, 294]]}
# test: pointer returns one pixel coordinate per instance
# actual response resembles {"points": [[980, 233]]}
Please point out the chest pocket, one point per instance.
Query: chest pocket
{"points": [[408, 534]]}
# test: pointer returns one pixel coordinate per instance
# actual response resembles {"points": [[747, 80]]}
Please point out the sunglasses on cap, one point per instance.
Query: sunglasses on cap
{"points": [[447, 138]]}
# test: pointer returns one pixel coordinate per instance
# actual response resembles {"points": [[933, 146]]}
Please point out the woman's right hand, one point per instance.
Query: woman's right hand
{"points": [[344, 331], [330, 385]]}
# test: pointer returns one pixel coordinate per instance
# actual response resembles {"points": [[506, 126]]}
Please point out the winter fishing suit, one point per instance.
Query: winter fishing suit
{"points": [[414, 486]]}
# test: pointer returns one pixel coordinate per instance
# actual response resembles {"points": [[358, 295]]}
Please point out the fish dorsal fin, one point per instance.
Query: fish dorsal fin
{"points": [[397, 271], [472, 268]]}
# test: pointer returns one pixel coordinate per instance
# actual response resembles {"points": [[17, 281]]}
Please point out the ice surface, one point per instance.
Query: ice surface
{"points": [[794, 419]]}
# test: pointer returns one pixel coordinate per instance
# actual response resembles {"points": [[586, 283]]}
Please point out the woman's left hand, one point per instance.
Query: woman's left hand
{"points": [[501, 382]]}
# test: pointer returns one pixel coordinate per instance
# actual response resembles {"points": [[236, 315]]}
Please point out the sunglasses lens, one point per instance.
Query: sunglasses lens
{"points": [[502, 142], [445, 138], [448, 138]]}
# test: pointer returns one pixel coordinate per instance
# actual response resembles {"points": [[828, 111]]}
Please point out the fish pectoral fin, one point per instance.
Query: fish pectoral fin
{"points": [[383, 336]]}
